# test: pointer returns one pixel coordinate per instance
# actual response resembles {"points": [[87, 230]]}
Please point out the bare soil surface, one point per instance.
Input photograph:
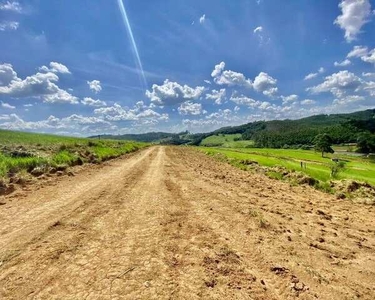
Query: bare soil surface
{"points": [[172, 223]]}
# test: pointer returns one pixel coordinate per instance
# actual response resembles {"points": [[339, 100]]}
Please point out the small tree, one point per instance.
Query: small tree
{"points": [[366, 143], [323, 143], [336, 168]]}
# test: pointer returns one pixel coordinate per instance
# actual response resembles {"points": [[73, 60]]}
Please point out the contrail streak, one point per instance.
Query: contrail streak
{"points": [[132, 40]]}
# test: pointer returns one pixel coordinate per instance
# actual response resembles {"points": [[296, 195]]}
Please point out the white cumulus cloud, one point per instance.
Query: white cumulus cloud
{"points": [[171, 93], [363, 53], [73, 123], [343, 63], [230, 78], [13, 6], [368, 74], [314, 75], [202, 19], [7, 74], [358, 51], [7, 105], [190, 108], [370, 58], [9, 25], [266, 84], [258, 29], [92, 102], [311, 76], [339, 84], [348, 100], [95, 86], [39, 85], [138, 113], [355, 13], [289, 99], [55, 67], [245, 101], [217, 96], [308, 102]]}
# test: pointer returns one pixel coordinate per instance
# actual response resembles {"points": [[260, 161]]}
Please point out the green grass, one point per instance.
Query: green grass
{"points": [[44, 150], [10, 138], [64, 158], [226, 141], [15, 165], [103, 152], [318, 167], [347, 148]]}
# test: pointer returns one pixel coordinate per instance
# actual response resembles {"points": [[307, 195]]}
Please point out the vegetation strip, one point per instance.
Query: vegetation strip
{"points": [[27, 155], [346, 176]]}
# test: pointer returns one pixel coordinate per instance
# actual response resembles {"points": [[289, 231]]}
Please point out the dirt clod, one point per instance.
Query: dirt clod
{"points": [[37, 172], [279, 270]]}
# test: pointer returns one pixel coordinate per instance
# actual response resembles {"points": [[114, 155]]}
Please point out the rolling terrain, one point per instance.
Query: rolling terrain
{"points": [[172, 223], [343, 128]]}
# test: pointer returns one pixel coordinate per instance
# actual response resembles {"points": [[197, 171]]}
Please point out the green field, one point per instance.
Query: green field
{"points": [[23, 152], [318, 167], [225, 141]]}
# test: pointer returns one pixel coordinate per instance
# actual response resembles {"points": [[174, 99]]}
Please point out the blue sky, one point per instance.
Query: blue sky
{"points": [[77, 67]]}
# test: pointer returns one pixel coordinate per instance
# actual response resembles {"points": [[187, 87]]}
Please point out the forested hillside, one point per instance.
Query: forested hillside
{"points": [[150, 137], [342, 128]]}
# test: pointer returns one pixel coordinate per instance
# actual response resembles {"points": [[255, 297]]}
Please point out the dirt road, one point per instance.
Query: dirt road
{"points": [[171, 223]]}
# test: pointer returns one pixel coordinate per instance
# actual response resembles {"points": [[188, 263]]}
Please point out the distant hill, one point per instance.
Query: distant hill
{"points": [[150, 137], [343, 128]]}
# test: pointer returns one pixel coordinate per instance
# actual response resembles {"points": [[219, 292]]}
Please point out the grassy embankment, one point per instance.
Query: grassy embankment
{"points": [[285, 164], [226, 141], [23, 152], [355, 168]]}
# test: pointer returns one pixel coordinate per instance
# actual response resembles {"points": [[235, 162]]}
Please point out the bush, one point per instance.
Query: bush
{"points": [[92, 144], [324, 187], [366, 143], [63, 147], [336, 168]]}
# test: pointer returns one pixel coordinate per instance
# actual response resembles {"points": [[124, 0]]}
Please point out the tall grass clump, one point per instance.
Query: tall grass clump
{"points": [[65, 158], [12, 165]]}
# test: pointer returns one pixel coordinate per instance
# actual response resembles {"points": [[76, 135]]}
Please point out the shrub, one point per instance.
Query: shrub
{"points": [[336, 168], [324, 187], [92, 144], [63, 147]]}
